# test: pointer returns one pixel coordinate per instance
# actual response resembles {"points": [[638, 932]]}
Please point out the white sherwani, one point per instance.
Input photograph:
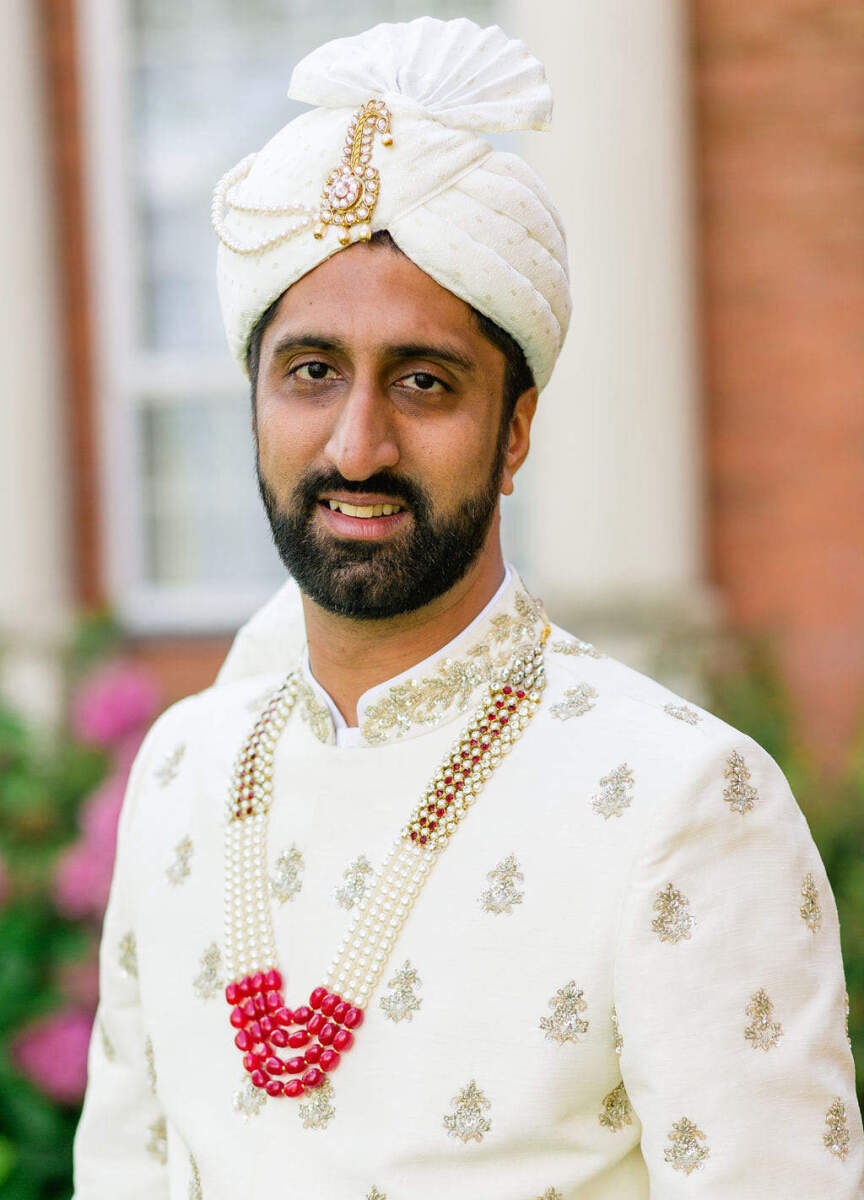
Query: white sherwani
{"points": [[621, 980]]}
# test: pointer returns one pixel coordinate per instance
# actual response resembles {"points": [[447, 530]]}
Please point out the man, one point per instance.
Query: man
{"points": [[582, 942]]}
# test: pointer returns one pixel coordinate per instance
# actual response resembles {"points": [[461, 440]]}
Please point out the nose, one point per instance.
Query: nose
{"points": [[362, 441]]}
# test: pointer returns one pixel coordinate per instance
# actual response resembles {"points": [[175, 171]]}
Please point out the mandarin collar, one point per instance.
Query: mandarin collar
{"points": [[438, 689]]}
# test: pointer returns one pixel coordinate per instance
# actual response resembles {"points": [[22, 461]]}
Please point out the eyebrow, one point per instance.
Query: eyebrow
{"points": [[403, 350]]}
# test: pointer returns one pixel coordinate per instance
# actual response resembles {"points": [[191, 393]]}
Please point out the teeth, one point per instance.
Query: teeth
{"points": [[364, 510]]}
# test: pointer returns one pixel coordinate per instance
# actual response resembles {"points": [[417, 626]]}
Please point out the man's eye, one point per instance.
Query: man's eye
{"points": [[316, 370], [424, 382]]}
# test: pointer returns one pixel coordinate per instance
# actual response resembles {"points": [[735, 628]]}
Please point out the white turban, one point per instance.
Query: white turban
{"points": [[479, 221]]}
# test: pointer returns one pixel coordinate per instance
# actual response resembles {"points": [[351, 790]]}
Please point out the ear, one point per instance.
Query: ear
{"points": [[519, 439]]}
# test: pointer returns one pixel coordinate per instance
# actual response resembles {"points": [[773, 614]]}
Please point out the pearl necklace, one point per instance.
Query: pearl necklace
{"points": [[324, 1025]]}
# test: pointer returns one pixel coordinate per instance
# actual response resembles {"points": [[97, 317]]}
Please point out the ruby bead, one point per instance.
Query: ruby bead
{"points": [[284, 1016], [294, 1088], [279, 1037], [257, 981], [302, 1014], [266, 1024], [273, 1001], [251, 1062], [354, 1018], [237, 1018], [273, 979], [242, 1040], [300, 1037], [295, 1065], [313, 1053], [313, 1077], [344, 1039], [274, 1065], [273, 1087], [245, 985], [329, 1060], [327, 1034], [315, 1022], [521, 695], [329, 1003], [254, 1030], [259, 1078], [233, 993], [248, 1007], [260, 1004], [507, 690], [317, 996], [341, 1009]]}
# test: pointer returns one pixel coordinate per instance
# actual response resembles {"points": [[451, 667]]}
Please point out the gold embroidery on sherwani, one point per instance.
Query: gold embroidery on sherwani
{"points": [[616, 792], [674, 919], [576, 647], [762, 1032], [617, 1039], [551, 1194], [208, 982], [314, 712], [179, 869], [739, 792], [503, 893], [468, 1121], [683, 712], [157, 1143], [577, 700], [616, 1112], [374, 1194], [836, 1135], [286, 879], [402, 1002], [248, 1100], [566, 1023], [169, 768], [810, 910], [127, 954], [687, 1149], [318, 1111], [150, 1063], [196, 1191], [107, 1044], [356, 876], [451, 686]]}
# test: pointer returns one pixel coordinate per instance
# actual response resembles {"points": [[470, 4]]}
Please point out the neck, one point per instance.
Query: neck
{"points": [[348, 656]]}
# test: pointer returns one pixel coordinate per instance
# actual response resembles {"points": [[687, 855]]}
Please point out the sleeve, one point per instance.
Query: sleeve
{"points": [[730, 997], [120, 1145]]}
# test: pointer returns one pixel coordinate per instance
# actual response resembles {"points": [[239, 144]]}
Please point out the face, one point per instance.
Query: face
{"points": [[378, 423]]}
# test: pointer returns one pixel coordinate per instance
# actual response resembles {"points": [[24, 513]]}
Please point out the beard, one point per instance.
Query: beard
{"points": [[373, 580]]}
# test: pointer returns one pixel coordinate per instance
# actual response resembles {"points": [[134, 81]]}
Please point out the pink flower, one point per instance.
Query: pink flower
{"points": [[101, 811], [119, 699], [52, 1052], [82, 878]]}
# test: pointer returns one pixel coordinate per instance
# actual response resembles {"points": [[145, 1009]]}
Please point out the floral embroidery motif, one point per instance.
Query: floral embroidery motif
{"points": [[318, 1111], [617, 1111], [248, 1100], [762, 1032], [374, 1194], [179, 869], [674, 919], [503, 894], [424, 701], [467, 1120], [150, 1063], [196, 1191], [836, 1135], [402, 1003], [577, 647], [314, 712], [157, 1143], [739, 793], [208, 982], [616, 793], [287, 879], [687, 1149], [565, 1024], [810, 910], [551, 1194], [169, 768], [618, 1040], [127, 955], [107, 1045], [356, 876], [683, 712], [577, 700]]}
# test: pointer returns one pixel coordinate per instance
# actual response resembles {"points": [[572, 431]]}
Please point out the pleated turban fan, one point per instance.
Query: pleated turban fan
{"points": [[395, 142]]}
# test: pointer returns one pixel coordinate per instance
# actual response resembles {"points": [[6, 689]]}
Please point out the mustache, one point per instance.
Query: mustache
{"points": [[399, 487]]}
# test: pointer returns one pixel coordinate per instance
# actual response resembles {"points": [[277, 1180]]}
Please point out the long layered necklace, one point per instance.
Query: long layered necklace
{"points": [[315, 1035]]}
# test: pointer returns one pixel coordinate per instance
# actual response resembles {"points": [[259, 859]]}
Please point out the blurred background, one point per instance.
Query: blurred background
{"points": [[694, 496]]}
